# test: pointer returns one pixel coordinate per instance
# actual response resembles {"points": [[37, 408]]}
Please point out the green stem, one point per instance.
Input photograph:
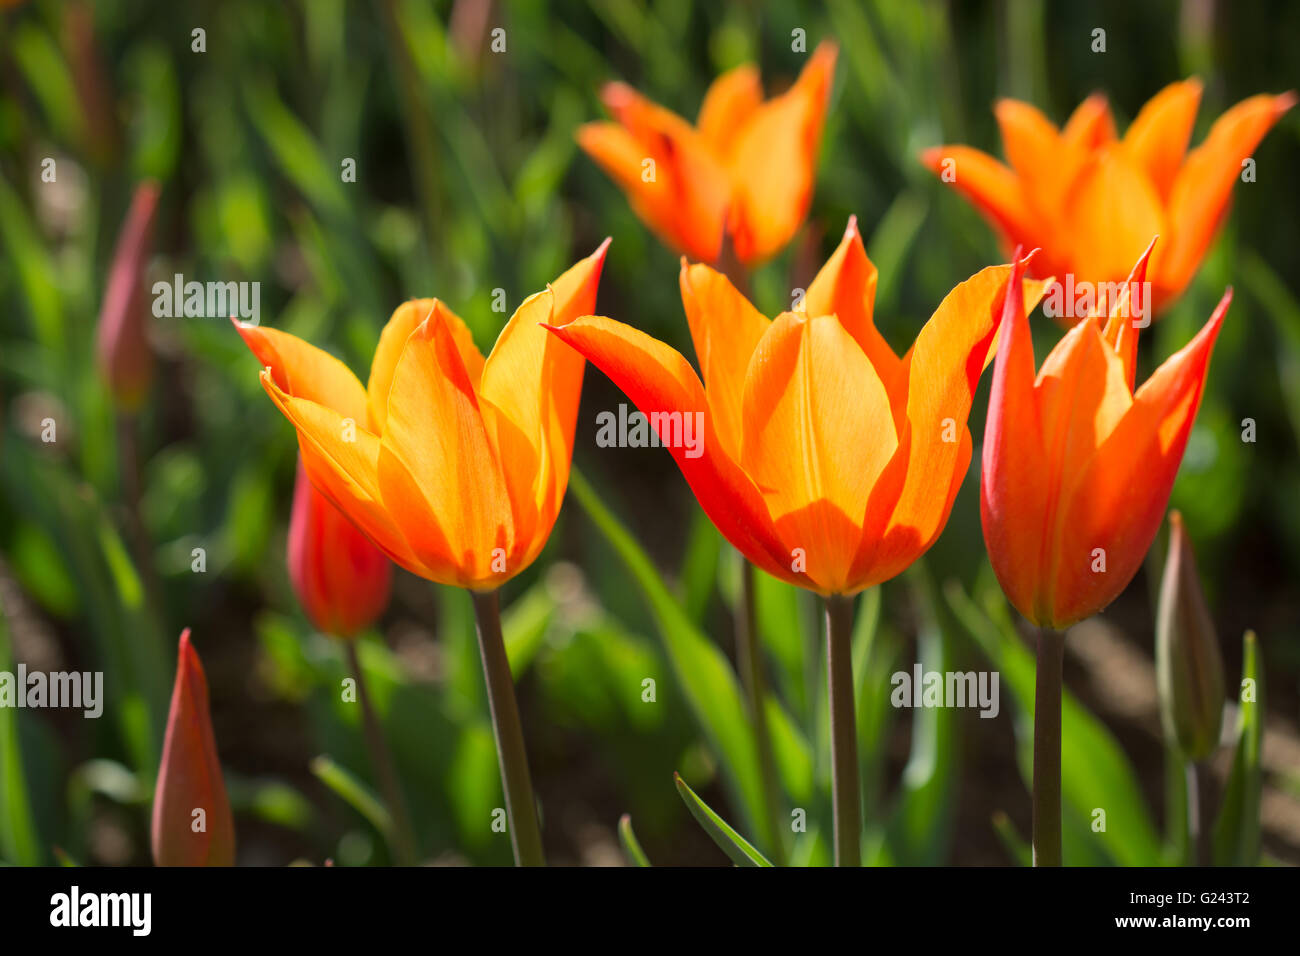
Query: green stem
{"points": [[750, 658], [402, 839], [1194, 837], [1047, 749], [521, 808], [846, 796]]}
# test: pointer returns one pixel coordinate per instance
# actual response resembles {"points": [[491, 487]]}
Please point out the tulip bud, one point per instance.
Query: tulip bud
{"points": [[192, 824], [123, 346], [1189, 667], [342, 580]]}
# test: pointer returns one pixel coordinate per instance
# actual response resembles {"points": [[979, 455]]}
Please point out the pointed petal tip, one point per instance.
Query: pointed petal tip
{"points": [[851, 229], [1284, 101]]}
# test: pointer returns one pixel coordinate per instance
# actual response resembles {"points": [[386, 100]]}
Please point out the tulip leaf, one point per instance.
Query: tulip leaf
{"points": [[706, 677], [353, 792], [1236, 831], [18, 840], [1095, 774], [728, 840], [1015, 845], [631, 846]]}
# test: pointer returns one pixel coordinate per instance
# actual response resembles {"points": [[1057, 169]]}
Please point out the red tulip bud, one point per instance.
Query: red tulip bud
{"points": [[192, 824], [123, 347], [342, 580]]}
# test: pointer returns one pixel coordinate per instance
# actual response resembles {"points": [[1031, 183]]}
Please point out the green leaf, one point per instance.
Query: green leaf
{"points": [[727, 839], [630, 844], [1011, 840], [1236, 831], [1095, 773], [703, 672], [19, 842], [353, 792]]}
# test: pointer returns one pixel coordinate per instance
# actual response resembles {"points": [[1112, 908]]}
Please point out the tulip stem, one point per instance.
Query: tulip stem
{"points": [[750, 658], [1193, 813], [521, 807], [846, 796], [402, 837], [1047, 749]]}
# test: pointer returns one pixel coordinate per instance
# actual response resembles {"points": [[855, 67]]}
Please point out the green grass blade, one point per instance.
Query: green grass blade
{"points": [[728, 840], [631, 846], [1236, 831]]}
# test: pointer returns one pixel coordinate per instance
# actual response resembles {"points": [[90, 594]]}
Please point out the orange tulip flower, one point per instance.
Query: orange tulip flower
{"points": [[746, 167], [453, 465], [342, 580], [827, 460], [189, 778], [1092, 202], [1078, 466]]}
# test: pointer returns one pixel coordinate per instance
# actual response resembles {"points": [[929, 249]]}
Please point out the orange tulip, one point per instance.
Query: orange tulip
{"points": [[1092, 202], [1077, 465], [746, 167], [827, 460], [453, 465], [189, 778], [342, 580]]}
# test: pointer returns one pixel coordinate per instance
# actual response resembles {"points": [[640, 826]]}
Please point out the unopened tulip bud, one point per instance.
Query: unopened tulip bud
{"points": [[342, 580], [125, 359], [1189, 667], [192, 823]]}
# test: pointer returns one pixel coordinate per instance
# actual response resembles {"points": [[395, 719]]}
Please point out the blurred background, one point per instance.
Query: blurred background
{"points": [[468, 180]]}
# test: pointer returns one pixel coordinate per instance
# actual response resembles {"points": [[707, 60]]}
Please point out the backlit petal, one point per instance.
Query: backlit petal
{"points": [[1158, 137], [305, 371], [728, 105], [818, 431], [725, 329]]}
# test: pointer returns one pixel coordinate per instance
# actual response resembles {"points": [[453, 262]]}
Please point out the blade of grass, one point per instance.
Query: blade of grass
{"points": [[728, 840]]}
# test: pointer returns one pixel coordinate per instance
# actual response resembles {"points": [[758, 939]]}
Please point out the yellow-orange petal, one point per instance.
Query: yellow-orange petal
{"points": [[725, 329], [305, 371], [438, 473], [846, 287], [1158, 136], [1034, 149], [818, 431], [341, 459], [659, 381], [1113, 211], [991, 187], [1090, 126], [1202, 188], [773, 164], [942, 371], [1130, 312], [728, 105], [392, 340], [1122, 494]]}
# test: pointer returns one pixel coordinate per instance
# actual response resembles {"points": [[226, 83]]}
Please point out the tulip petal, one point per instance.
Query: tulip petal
{"points": [[1034, 149], [1130, 311], [728, 105], [685, 195], [725, 329], [846, 287], [1158, 137], [773, 164], [1121, 495], [392, 340], [1090, 126], [991, 187], [307, 372], [1013, 501], [1113, 212], [942, 371], [189, 777], [342, 461], [660, 381], [818, 431], [438, 472], [1199, 197]]}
